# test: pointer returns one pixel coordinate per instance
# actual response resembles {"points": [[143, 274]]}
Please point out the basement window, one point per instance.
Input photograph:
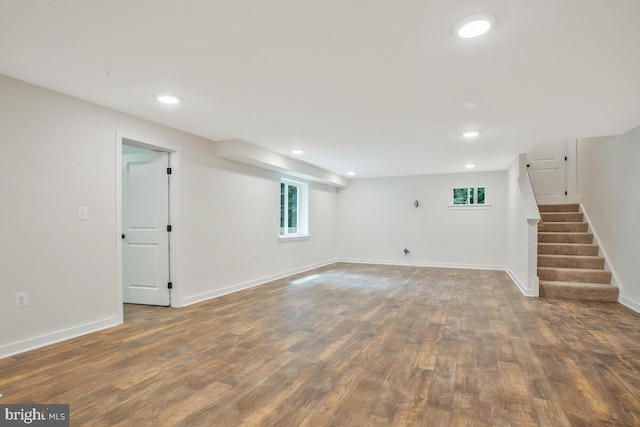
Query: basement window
{"points": [[294, 209], [469, 197]]}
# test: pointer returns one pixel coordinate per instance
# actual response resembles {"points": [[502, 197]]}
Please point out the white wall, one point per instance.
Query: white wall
{"points": [[516, 227], [377, 220], [57, 153], [236, 217], [608, 179], [521, 228]]}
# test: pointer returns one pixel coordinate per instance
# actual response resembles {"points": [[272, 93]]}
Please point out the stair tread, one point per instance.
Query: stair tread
{"points": [[555, 207], [566, 232], [577, 284], [570, 256], [576, 244], [565, 222], [562, 212], [579, 291], [573, 269], [559, 212]]}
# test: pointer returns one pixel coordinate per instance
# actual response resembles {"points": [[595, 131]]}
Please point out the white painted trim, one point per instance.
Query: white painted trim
{"points": [[519, 284], [251, 284], [535, 292], [469, 207], [58, 336], [174, 206], [603, 252], [302, 211], [423, 264], [571, 170], [118, 216], [629, 303], [293, 238]]}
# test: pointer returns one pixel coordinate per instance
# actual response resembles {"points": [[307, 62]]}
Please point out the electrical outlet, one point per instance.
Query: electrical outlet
{"points": [[22, 299], [83, 212]]}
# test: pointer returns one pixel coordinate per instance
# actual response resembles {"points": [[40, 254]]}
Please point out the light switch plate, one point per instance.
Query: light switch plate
{"points": [[22, 299]]}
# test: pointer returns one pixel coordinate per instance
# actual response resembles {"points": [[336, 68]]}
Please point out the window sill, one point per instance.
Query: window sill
{"points": [[293, 238], [469, 207]]}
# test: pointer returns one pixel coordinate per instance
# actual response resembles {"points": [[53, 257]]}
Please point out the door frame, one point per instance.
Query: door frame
{"points": [[125, 138], [563, 146]]}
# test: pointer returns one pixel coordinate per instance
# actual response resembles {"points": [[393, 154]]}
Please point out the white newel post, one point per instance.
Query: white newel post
{"points": [[533, 283]]}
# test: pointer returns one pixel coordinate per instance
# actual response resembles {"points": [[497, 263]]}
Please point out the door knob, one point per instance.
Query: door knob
{"points": [[123, 235]]}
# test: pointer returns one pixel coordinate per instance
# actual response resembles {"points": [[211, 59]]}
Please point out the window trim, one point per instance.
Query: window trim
{"points": [[475, 195], [302, 211], [470, 206]]}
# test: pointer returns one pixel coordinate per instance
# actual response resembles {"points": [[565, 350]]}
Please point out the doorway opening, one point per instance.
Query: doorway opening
{"points": [[147, 215]]}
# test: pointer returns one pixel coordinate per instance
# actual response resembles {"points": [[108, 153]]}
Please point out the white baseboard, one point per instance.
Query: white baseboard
{"points": [[246, 285], [517, 281], [629, 303], [55, 337], [423, 264], [523, 288]]}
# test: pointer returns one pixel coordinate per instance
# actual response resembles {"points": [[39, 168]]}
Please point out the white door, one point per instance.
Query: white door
{"points": [[546, 167], [145, 239]]}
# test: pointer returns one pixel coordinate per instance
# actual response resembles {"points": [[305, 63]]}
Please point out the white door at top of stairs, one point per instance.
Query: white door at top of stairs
{"points": [[546, 164]]}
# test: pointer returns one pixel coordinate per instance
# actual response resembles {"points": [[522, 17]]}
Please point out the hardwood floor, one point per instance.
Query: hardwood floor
{"points": [[349, 345]]}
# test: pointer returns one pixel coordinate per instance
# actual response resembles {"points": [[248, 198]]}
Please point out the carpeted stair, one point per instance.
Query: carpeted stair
{"points": [[568, 263]]}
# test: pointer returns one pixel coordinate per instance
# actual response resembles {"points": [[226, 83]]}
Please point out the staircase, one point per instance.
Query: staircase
{"points": [[568, 263]]}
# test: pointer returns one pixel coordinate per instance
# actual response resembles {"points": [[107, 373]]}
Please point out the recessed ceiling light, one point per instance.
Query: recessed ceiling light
{"points": [[471, 134], [469, 165], [297, 151], [351, 173], [167, 98], [474, 26]]}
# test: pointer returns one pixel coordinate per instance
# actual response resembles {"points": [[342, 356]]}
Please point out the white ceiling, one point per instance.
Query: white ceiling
{"points": [[375, 86]]}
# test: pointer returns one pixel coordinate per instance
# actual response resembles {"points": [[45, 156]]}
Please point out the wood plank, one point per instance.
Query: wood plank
{"points": [[349, 344]]}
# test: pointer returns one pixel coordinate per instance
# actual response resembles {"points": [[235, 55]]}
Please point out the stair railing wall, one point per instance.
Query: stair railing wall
{"points": [[533, 219], [525, 231]]}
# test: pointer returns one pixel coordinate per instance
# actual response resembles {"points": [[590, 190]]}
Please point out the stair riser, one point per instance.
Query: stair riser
{"points": [[604, 294], [559, 227], [595, 276], [568, 249], [565, 237], [562, 217], [570, 207], [570, 262]]}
